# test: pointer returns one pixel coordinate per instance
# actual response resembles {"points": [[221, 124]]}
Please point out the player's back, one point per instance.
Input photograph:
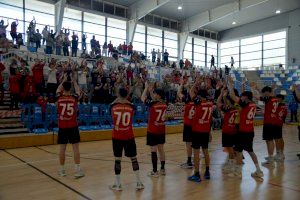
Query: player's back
{"points": [[203, 117], [67, 111], [247, 115], [156, 120], [122, 114]]}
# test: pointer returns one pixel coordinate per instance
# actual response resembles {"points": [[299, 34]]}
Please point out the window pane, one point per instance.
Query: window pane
{"points": [[234, 43], [139, 46], [117, 33], [189, 40], [274, 61], [172, 52], [211, 44], [71, 24], [18, 3], [171, 35], [226, 59], [187, 55], [251, 40], [199, 63], [251, 48], [199, 49], [275, 44], [170, 43], [93, 28], [140, 29], [251, 64], [198, 56], [120, 24], [230, 51], [39, 6], [274, 53], [250, 56], [199, 42], [96, 19], [11, 12], [275, 36], [41, 18], [154, 32], [73, 14], [154, 40]]}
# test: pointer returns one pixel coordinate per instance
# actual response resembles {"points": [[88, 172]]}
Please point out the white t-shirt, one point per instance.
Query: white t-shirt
{"points": [[82, 80], [52, 76]]}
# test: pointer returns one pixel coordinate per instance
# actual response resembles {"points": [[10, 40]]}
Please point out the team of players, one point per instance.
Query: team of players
{"points": [[237, 128]]}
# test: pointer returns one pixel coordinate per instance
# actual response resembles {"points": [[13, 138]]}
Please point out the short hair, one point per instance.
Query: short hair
{"points": [[280, 96], [67, 86], [203, 93], [160, 92], [266, 89], [123, 92], [248, 94]]}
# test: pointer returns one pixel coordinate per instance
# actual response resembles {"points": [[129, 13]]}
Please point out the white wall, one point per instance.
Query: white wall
{"points": [[290, 20]]}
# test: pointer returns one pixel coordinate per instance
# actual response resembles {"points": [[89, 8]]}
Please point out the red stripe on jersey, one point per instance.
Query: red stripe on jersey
{"points": [[189, 112], [203, 117], [67, 112], [156, 118], [122, 115], [228, 126]]}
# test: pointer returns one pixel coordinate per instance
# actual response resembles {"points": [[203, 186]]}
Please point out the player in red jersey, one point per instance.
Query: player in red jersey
{"points": [[282, 111], [67, 123], [271, 130], [156, 136], [245, 135], [201, 135], [123, 139], [229, 129], [189, 111]]}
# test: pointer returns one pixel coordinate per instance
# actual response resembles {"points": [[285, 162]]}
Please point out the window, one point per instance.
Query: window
{"points": [[171, 44], [188, 50], [228, 50], [274, 48], [154, 39], [199, 52], [212, 49], [116, 31], [139, 38], [251, 52]]}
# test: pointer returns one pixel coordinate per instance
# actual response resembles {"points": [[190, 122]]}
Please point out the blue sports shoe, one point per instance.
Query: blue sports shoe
{"points": [[207, 175], [194, 178]]}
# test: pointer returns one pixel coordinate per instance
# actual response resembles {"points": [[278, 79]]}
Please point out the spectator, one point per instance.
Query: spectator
{"points": [[66, 44], [104, 47], [110, 48], [29, 90], [232, 62], [42, 102], [3, 29], [52, 79], [14, 90], [166, 57], [23, 72], [49, 44], [83, 40], [120, 49], [93, 43], [38, 76], [20, 40], [83, 75], [124, 48], [158, 55], [153, 53], [293, 107], [13, 30], [129, 73], [187, 64], [130, 49], [137, 89], [212, 62], [2, 68], [115, 53], [181, 64], [59, 43], [45, 34], [74, 44], [98, 50], [173, 65], [37, 38]]}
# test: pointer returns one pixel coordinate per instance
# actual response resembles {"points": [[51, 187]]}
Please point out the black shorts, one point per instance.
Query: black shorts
{"points": [[129, 147], [200, 140], [187, 133], [244, 141], [68, 135], [228, 140], [1, 87], [271, 132], [155, 139]]}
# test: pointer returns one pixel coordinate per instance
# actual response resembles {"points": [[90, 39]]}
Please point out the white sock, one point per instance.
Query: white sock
{"points": [[257, 167], [137, 175], [77, 167], [118, 179]]}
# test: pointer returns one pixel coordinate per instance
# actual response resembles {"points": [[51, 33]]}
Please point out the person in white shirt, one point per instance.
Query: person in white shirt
{"points": [[158, 55], [52, 79]]}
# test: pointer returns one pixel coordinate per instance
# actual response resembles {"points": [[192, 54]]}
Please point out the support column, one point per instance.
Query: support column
{"points": [[131, 26], [59, 14], [182, 41]]}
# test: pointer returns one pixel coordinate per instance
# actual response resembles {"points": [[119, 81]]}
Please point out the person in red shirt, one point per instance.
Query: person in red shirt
{"points": [[201, 131], [229, 130], [282, 111], [156, 136], [130, 49], [245, 134], [2, 68], [271, 130], [29, 90], [38, 75], [110, 48], [122, 137], [42, 102], [124, 48], [14, 89], [68, 132]]}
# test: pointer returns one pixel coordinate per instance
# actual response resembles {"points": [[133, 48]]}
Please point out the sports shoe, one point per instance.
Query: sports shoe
{"points": [[116, 187], [236, 173], [268, 163], [153, 174], [139, 186], [186, 165], [207, 175], [62, 173], [257, 174], [279, 157], [194, 178], [79, 174], [162, 172]]}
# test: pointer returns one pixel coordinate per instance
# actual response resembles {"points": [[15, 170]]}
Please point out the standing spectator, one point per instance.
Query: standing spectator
{"points": [[110, 48], [129, 73], [49, 44], [74, 44], [52, 79], [14, 90], [45, 33], [3, 29], [104, 51], [120, 49], [232, 62], [293, 107], [38, 38], [83, 75], [83, 40], [153, 53], [38, 75], [2, 68], [158, 55], [29, 90], [66, 44], [58, 43], [93, 44], [98, 49], [23, 73], [173, 65], [212, 62], [13, 30], [181, 64], [124, 47], [166, 57], [187, 64], [20, 40], [130, 49]]}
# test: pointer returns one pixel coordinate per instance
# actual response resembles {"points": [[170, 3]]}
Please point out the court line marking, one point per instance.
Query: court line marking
{"points": [[49, 176]]}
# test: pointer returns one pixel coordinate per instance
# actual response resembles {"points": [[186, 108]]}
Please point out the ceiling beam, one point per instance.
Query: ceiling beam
{"points": [[143, 7], [202, 19]]}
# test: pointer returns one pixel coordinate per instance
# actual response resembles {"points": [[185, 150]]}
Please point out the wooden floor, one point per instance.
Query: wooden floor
{"points": [[31, 173]]}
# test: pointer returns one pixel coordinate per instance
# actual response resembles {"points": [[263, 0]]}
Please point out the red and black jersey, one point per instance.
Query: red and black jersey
{"points": [[189, 112], [229, 126], [203, 117], [247, 115], [67, 108], [14, 85], [271, 105], [122, 114], [156, 118], [282, 112]]}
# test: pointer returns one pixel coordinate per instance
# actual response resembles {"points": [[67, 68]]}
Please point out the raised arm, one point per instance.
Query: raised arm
{"points": [[231, 92], [179, 92], [145, 93]]}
